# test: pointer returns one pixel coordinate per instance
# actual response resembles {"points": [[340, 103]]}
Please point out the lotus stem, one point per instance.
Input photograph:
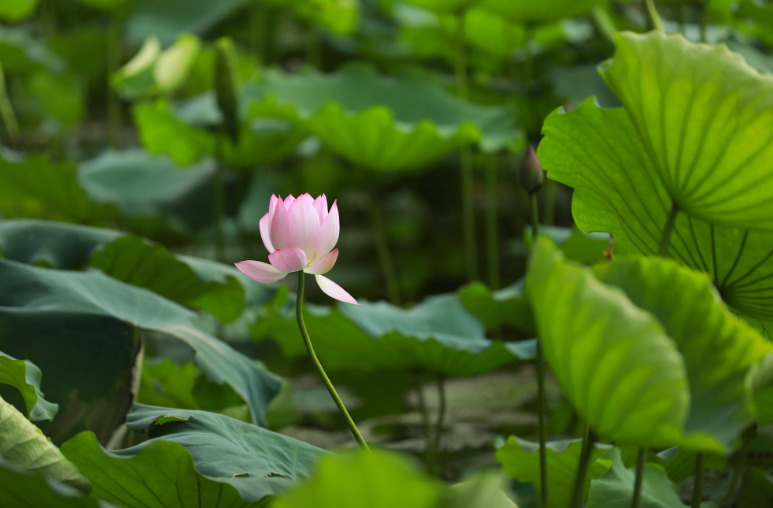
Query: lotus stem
{"points": [[425, 420], [6, 110], [219, 188], [697, 493], [641, 462], [114, 50], [665, 236], [588, 441], [441, 415], [654, 16], [492, 226], [384, 255], [739, 466], [326, 380]]}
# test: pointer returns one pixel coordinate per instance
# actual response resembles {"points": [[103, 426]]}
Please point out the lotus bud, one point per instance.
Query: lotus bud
{"points": [[530, 173], [225, 87]]}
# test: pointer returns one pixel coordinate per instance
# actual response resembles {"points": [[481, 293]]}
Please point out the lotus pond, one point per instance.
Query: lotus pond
{"points": [[380, 253]]}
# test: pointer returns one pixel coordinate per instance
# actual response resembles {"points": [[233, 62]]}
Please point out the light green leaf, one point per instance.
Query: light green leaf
{"points": [[156, 474], [438, 335], [16, 10], [23, 444], [450, 6], [702, 114], [136, 77], [25, 376], [482, 490], [29, 490], [613, 360], [367, 119], [616, 191], [614, 489], [525, 11], [258, 462], [520, 460], [375, 479], [174, 64], [508, 306], [338, 16]]}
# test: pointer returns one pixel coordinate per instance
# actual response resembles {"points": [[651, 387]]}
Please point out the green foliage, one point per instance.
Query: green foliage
{"points": [[22, 444], [25, 376], [543, 11], [520, 460], [17, 10], [438, 336], [157, 474], [24, 489]]}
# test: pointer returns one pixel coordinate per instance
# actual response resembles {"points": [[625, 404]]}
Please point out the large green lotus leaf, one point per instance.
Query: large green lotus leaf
{"points": [[23, 489], [186, 134], [199, 283], [520, 460], [614, 489], [25, 376], [143, 186], [23, 444], [27, 290], [616, 191], [382, 123], [438, 335], [170, 18], [718, 348], [613, 360], [258, 462], [156, 474], [528, 11], [354, 479], [508, 306], [36, 187], [483, 489], [703, 115]]}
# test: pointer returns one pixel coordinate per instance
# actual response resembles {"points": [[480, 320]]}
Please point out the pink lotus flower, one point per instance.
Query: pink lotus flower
{"points": [[300, 235]]}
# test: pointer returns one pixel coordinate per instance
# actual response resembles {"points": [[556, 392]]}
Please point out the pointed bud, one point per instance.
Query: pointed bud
{"points": [[225, 87], [530, 173]]}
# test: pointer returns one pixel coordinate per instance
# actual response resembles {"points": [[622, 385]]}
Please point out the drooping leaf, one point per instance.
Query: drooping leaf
{"points": [[438, 335], [615, 489], [155, 474], [718, 349], [22, 444], [520, 460], [616, 191], [375, 479], [613, 360], [367, 119], [257, 461], [30, 490], [28, 291], [702, 114], [25, 376]]}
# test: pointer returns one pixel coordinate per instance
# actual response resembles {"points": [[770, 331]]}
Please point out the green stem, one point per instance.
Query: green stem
{"points": [[441, 415], [114, 51], [604, 22], [384, 256], [654, 16], [578, 491], [492, 225], [427, 424], [641, 461], [542, 423], [6, 110], [704, 22], [534, 216], [466, 161], [307, 342], [219, 199], [739, 466], [665, 236], [259, 32], [697, 493]]}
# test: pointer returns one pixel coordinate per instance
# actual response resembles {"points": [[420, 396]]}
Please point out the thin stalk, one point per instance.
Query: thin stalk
{"points": [[738, 471], [6, 110], [492, 225], [466, 162], [425, 420], [588, 440], [259, 32], [665, 237], [697, 493], [604, 22], [704, 22], [329, 385], [654, 16], [441, 414], [219, 188], [114, 52], [549, 192], [641, 461], [534, 216], [384, 256]]}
